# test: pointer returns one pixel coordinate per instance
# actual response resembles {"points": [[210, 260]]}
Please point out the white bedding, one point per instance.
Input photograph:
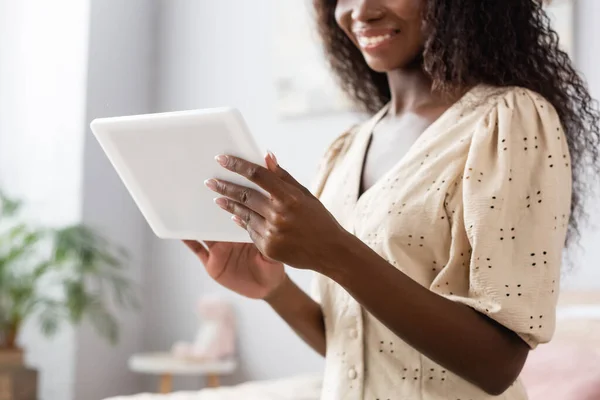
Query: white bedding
{"points": [[297, 388], [578, 321]]}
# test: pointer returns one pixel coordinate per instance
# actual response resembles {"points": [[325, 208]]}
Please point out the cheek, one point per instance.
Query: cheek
{"points": [[414, 7], [409, 10], [343, 14], [411, 13]]}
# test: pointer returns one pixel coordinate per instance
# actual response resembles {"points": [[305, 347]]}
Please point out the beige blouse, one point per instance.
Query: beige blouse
{"points": [[476, 211]]}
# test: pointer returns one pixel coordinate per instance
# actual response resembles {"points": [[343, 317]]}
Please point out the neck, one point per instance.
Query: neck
{"points": [[410, 88]]}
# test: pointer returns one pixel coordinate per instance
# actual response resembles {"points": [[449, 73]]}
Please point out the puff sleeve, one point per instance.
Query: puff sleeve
{"points": [[516, 205]]}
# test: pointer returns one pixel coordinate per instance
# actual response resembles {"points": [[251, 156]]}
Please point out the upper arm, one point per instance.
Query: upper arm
{"points": [[516, 196]]}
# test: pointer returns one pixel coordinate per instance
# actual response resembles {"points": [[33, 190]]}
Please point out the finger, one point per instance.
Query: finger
{"points": [[248, 217], [238, 221], [254, 235], [271, 161], [281, 173], [209, 243], [198, 249], [251, 198], [254, 173]]}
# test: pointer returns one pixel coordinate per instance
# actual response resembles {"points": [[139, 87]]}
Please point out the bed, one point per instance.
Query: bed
{"points": [[297, 388], [568, 368]]}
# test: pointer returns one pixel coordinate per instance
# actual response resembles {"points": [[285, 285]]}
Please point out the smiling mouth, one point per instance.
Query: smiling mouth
{"points": [[372, 42]]}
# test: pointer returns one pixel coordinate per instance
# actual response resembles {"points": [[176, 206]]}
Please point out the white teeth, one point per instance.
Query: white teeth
{"points": [[373, 40]]}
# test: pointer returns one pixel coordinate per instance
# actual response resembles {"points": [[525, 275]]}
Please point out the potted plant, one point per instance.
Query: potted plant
{"points": [[54, 275]]}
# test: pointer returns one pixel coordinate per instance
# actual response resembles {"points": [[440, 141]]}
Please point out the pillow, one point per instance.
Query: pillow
{"points": [[562, 371]]}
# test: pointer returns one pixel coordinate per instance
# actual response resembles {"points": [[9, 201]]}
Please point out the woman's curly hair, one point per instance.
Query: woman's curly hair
{"points": [[498, 43]]}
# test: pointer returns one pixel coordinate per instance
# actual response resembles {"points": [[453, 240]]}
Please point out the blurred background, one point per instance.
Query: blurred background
{"points": [[65, 62]]}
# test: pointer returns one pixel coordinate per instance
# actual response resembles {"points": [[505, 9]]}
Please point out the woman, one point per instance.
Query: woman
{"points": [[439, 229]]}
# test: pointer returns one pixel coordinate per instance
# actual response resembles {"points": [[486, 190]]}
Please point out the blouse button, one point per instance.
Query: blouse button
{"points": [[353, 333], [352, 373]]}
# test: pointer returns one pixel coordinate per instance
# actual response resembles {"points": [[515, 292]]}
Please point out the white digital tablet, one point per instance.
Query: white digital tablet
{"points": [[163, 160]]}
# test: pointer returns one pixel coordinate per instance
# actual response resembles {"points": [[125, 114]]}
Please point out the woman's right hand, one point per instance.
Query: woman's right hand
{"points": [[240, 267]]}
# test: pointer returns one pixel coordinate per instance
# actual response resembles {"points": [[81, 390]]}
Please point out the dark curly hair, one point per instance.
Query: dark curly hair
{"points": [[498, 43]]}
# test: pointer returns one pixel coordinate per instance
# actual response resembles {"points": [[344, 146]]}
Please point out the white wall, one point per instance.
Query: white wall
{"points": [[215, 53], [120, 82], [48, 156], [43, 64], [587, 273]]}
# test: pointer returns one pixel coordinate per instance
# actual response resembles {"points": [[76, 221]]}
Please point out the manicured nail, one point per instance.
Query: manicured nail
{"points": [[221, 202], [211, 184], [237, 220], [270, 153], [221, 159]]}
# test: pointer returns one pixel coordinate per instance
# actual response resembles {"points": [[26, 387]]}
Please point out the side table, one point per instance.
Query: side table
{"points": [[166, 365]]}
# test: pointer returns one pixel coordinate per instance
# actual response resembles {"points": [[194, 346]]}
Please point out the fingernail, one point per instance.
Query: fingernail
{"points": [[220, 201], [270, 153], [211, 184], [221, 159], [237, 220]]}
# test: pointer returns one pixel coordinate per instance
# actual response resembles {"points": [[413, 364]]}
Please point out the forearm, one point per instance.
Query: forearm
{"points": [[452, 334], [301, 313]]}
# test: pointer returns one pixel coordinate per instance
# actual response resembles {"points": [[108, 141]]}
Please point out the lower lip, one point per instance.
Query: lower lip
{"points": [[380, 45]]}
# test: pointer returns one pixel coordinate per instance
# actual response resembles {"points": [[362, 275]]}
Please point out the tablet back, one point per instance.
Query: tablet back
{"points": [[163, 160]]}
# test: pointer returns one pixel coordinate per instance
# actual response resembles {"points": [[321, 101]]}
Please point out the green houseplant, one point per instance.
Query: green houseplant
{"points": [[57, 276]]}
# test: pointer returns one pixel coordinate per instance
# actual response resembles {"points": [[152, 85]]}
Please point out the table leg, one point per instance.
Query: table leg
{"points": [[165, 384], [212, 381]]}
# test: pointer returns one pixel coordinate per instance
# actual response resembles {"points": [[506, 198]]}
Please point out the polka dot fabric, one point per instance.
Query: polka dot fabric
{"points": [[510, 225], [476, 211]]}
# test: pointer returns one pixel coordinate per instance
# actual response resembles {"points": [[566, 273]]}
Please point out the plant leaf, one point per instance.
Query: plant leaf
{"points": [[104, 322], [122, 290], [50, 320], [9, 207], [76, 299], [74, 267], [41, 268]]}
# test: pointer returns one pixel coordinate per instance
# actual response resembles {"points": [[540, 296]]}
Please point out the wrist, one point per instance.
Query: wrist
{"points": [[277, 293], [339, 253]]}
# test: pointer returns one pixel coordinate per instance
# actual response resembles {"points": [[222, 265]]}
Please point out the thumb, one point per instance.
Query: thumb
{"points": [[198, 249]]}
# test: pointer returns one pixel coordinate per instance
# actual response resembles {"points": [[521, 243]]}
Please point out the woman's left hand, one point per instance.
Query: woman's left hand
{"points": [[289, 224]]}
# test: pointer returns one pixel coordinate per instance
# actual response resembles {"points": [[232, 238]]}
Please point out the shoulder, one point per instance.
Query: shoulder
{"points": [[339, 146], [521, 132], [512, 101], [513, 113], [333, 154]]}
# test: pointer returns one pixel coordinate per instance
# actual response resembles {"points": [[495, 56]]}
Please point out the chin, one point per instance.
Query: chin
{"points": [[384, 64], [381, 64]]}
